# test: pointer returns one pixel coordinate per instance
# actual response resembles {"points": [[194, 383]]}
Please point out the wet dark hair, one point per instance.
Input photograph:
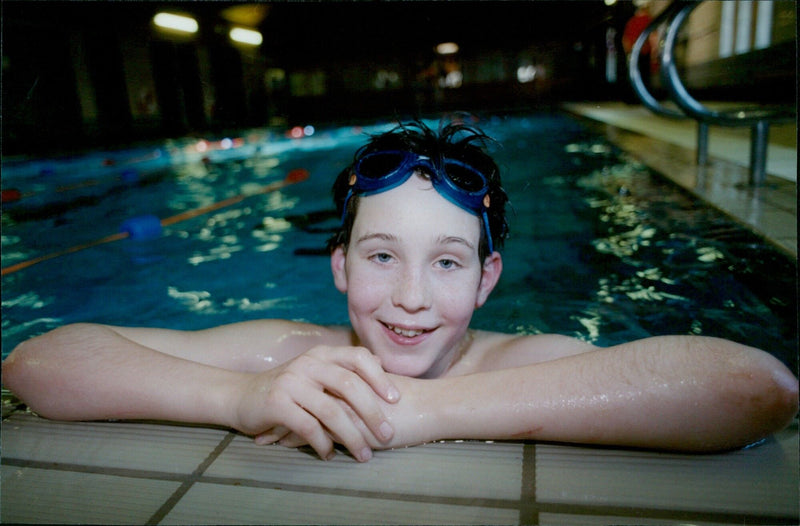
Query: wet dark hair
{"points": [[455, 141]]}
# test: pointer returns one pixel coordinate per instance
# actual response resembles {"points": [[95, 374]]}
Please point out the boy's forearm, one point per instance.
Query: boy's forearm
{"points": [[88, 372], [663, 393]]}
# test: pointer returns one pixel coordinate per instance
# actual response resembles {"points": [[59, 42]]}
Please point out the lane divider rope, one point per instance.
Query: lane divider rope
{"points": [[294, 176]]}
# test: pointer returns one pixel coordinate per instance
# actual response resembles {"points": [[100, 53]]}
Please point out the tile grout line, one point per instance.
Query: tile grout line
{"points": [[667, 514], [476, 502], [178, 494], [528, 509], [92, 470]]}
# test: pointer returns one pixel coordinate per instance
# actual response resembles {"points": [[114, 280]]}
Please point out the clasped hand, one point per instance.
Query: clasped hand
{"points": [[325, 395]]}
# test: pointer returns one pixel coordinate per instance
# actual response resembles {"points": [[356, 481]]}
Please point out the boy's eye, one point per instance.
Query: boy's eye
{"points": [[382, 257], [447, 264]]}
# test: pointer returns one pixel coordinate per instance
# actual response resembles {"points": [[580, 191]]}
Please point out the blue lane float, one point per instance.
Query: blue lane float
{"points": [[142, 227], [129, 176]]}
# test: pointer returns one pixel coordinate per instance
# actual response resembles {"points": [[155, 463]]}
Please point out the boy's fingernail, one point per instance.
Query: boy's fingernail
{"points": [[386, 430], [365, 455], [331, 455], [393, 394]]}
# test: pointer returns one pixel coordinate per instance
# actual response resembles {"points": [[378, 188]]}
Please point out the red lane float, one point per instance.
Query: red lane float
{"points": [[11, 195]]}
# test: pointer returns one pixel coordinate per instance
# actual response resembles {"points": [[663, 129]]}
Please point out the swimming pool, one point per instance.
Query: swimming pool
{"points": [[600, 247]]}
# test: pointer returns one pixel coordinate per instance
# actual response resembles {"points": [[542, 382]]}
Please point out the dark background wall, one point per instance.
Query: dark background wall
{"points": [[88, 74]]}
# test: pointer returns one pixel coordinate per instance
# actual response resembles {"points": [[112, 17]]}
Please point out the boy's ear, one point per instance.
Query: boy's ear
{"points": [[490, 275], [338, 258]]}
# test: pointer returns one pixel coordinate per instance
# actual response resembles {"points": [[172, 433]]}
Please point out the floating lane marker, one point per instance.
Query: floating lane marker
{"points": [[143, 227]]}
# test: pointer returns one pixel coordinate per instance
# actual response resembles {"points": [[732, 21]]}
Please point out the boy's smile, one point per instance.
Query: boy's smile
{"points": [[413, 277]]}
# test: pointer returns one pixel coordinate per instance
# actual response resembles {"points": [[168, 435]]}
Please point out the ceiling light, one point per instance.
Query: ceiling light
{"points": [[184, 24], [447, 48], [246, 36]]}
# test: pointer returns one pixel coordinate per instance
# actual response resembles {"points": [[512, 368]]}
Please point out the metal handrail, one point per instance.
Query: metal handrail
{"points": [[680, 95], [635, 74], [759, 119]]}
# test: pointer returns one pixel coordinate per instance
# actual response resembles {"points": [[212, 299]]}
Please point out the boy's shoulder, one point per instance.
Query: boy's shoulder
{"points": [[494, 350]]}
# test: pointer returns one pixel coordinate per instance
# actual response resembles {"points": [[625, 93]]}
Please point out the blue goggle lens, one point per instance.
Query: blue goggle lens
{"points": [[380, 165]]}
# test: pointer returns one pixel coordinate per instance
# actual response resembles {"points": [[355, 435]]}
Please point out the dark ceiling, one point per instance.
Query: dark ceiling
{"points": [[356, 28]]}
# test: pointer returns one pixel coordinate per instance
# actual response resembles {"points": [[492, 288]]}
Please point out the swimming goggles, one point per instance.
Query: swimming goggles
{"points": [[456, 181]]}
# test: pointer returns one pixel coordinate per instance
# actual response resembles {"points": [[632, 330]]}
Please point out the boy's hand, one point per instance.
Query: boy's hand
{"points": [[414, 419], [325, 394]]}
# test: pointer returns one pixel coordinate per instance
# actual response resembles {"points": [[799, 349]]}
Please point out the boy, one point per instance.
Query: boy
{"points": [[422, 217]]}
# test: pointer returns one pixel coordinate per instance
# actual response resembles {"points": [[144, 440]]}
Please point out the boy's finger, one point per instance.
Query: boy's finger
{"points": [[292, 440], [328, 411], [310, 429], [368, 366], [271, 436], [352, 389], [362, 362]]}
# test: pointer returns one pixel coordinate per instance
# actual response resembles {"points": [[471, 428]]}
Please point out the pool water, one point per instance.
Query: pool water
{"points": [[600, 248]]}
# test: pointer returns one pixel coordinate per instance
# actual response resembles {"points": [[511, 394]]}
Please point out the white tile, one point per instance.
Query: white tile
{"points": [[761, 480], [223, 504], [48, 497], [164, 448], [468, 469]]}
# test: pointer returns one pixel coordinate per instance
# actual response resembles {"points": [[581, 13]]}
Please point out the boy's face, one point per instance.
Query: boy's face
{"points": [[413, 277]]}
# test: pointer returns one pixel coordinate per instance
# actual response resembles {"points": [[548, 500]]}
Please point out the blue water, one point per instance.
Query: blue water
{"points": [[600, 247]]}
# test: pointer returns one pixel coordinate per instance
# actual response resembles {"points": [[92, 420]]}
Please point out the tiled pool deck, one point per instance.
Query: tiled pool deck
{"points": [[143, 473], [155, 473]]}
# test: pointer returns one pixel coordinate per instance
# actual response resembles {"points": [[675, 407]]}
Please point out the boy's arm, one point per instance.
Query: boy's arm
{"points": [[89, 372], [675, 393]]}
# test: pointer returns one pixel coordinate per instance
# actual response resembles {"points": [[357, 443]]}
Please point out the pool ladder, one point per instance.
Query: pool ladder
{"points": [[758, 119]]}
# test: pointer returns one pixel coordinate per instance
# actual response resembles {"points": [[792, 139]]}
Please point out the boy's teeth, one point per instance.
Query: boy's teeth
{"points": [[408, 333]]}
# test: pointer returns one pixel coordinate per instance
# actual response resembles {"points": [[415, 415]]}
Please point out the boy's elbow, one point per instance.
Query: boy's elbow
{"points": [[768, 394], [33, 364], [19, 368], [746, 395], [786, 395]]}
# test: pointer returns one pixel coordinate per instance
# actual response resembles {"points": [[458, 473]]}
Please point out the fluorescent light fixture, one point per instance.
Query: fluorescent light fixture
{"points": [[184, 24], [245, 36], [447, 48]]}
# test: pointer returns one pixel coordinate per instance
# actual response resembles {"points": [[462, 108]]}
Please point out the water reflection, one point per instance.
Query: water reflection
{"points": [[30, 300], [627, 243], [270, 233], [203, 302]]}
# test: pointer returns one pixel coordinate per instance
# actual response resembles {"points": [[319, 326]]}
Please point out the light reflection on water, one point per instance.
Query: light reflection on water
{"points": [[627, 256], [15, 331], [30, 300], [203, 302]]}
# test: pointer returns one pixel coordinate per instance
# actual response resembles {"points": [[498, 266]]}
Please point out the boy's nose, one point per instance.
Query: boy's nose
{"points": [[411, 293]]}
